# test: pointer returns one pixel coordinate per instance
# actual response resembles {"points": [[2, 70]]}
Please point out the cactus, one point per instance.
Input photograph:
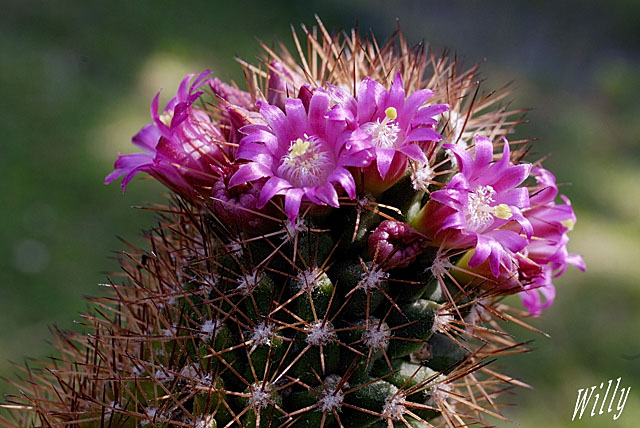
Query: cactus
{"points": [[341, 287]]}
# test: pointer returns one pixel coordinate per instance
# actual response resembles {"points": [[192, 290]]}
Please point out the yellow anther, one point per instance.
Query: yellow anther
{"points": [[298, 148], [391, 113], [166, 117], [568, 223], [502, 211]]}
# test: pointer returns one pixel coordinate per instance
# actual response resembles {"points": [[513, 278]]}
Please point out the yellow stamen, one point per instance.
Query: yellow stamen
{"points": [[166, 117], [568, 223], [298, 148], [502, 211], [391, 113]]}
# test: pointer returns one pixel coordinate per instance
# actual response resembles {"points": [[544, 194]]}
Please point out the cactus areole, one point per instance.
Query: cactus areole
{"points": [[340, 241]]}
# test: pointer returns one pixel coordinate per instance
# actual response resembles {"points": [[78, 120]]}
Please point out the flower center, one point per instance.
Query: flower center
{"points": [[384, 134], [480, 213], [307, 162], [478, 208]]}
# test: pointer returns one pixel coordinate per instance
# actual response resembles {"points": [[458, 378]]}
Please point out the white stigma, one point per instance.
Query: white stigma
{"points": [[307, 162], [479, 213], [320, 333], [376, 336], [262, 334], [371, 280], [384, 134], [421, 175]]}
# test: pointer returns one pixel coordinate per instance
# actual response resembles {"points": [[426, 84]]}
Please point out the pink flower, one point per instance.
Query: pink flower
{"points": [[551, 223], [302, 152], [480, 206], [392, 124], [180, 145]]}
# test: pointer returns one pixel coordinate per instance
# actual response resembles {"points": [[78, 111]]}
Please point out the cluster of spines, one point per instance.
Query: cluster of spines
{"points": [[212, 331]]}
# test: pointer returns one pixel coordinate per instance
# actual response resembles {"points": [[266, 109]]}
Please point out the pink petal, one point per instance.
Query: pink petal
{"points": [[484, 153], [147, 138], [255, 152], [415, 100], [343, 176], [164, 129], [577, 261], [327, 194], [249, 172], [508, 239], [512, 177], [273, 186], [425, 114], [422, 134], [277, 121], [414, 152], [395, 97], [318, 109], [370, 93], [482, 251], [465, 162], [297, 116], [292, 201], [384, 157]]}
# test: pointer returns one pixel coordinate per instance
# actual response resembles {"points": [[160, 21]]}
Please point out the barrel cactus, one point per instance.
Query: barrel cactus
{"points": [[336, 251]]}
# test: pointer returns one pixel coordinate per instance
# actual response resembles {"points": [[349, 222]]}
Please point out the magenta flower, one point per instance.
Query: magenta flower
{"points": [[180, 145], [480, 206], [395, 243], [551, 223], [303, 153], [546, 255], [393, 124]]}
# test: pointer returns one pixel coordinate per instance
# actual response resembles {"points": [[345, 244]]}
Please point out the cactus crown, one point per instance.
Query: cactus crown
{"points": [[347, 296]]}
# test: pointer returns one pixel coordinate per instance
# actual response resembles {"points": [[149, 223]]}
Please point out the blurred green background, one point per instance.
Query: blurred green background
{"points": [[76, 80]]}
